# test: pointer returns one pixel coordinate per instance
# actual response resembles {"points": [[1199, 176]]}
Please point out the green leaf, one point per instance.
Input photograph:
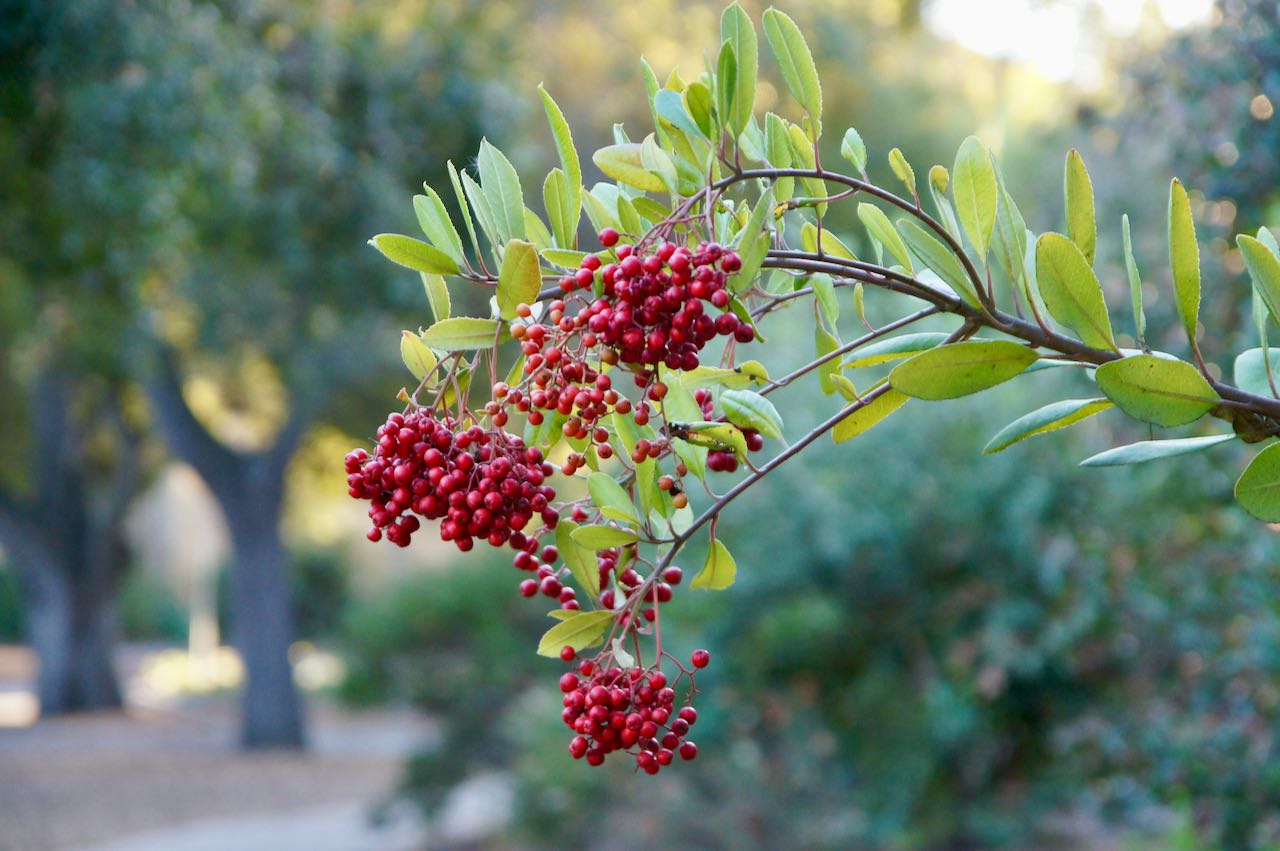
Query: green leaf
{"points": [[1264, 271], [1156, 389], [462, 204], [751, 142], [624, 164], [748, 409], [565, 258], [824, 290], [461, 333], [1071, 290], [670, 107], [903, 170], [612, 499], [726, 82], [1152, 450], [578, 630], [881, 229], [1009, 241], [600, 213], [501, 186], [1250, 372], [483, 211], [701, 104], [563, 137], [1258, 488], [1184, 258], [437, 295], [563, 206], [796, 64], [935, 255], [753, 245], [1043, 420], [718, 571], [895, 348], [737, 30], [777, 148], [580, 560], [434, 220], [417, 355], [868, 415], [743, 375], [414, 253], [519, 279], [1135, 282], [596, 538], [974, 186], [959, 369], [712, 435], [825, 343], [831, 244], [1078, 192], [694, 457], [853, 149], [658, 162]]}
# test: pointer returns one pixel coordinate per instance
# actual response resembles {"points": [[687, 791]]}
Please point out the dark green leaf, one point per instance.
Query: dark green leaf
{"points": [[796, 64]]}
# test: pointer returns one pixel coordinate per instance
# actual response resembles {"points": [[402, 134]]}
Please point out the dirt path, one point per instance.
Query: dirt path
{"points": [[173, 779]]}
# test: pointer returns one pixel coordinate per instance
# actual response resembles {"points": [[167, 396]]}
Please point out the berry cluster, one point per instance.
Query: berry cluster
{"points": [[631, 710], [481, 483], [650, 307]]}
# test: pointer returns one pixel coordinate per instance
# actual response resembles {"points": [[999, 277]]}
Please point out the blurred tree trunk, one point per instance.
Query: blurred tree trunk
{"points": [[66, 541], [249, 486]]}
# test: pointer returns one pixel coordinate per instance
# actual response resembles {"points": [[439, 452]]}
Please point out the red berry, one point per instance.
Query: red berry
{"points": [[608, 237], [700, 658]]}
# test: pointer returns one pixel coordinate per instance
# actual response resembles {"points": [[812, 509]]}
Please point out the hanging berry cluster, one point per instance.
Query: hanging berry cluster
{"points": [[481, 483]]}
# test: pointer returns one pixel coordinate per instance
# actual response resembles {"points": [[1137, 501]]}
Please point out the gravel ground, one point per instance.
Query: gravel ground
{"points": [[75, 782]]}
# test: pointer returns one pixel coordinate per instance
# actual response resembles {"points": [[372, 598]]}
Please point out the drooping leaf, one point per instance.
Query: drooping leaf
{"points": [[580, 560], [959, 369], [748, 409], [417, 355], [1071, 290], [578, 630], [437, 295], [624, 164], [1135, 282], [612, 499], [853, 149], [796, 64], [1156, 389], [596, 538], [1250, 372], [1152, 450], [718, 571], [501, 184], [434, 220], [1043, 420], [519, 279], [881, 230], [414, 253], [824, 290], [1077, 189], [868, 415], [974, 187], [932, 253], [737, 30], [895, 348], [1184, 259], [1258, 488], [460, 333]]}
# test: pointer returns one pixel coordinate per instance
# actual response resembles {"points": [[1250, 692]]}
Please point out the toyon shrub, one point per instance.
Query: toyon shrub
{"points": [[625, 387]]}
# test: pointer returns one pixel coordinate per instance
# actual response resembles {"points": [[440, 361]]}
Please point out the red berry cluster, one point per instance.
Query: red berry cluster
{"points": [[631, 710], [651, 306], [481, 483]]}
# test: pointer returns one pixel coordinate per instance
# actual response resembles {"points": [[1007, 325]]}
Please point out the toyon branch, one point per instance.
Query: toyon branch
{"points": [[640, 394]]}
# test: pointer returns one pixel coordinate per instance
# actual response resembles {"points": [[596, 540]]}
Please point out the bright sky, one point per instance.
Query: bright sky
{"points": [[1055, 36]]}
